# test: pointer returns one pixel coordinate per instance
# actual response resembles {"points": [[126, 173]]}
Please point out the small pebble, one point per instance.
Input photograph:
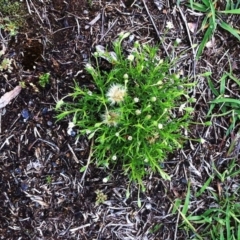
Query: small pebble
{"points": [[54, 164], [49, 123], [25, 114], [85, 12], [18, 171], [45, 111], [84, 55], [162, 165], [24, 186], [71, 132], [31, 103], [184, 181], [148, 206]]}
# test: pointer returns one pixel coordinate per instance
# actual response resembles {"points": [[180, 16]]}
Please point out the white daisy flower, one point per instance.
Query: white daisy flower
{"points": [[111, 118], [116, 93], [138, 112], [105, 180], [130, 57], [169, 25], [136, 100], [129, 138], [71, 125], [178, 40], [148, 117], [153, 99], [125, 76]]}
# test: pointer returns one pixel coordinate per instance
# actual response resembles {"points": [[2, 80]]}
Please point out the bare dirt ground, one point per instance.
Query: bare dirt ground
{"points": [[43, 193]]}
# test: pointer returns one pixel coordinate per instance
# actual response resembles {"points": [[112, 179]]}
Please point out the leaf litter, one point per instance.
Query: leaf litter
{"points": [[57, 204]]}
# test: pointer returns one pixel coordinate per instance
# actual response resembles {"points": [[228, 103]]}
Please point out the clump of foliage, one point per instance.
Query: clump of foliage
{"points": [[11, 16], [9, 8], [221, 219], [44, 79], [100, 198], [6, 64], [225, 104], [8, 26], [213, 17], [137, 113]]}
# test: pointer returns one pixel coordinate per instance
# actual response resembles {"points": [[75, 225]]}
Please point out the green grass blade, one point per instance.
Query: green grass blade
{"points": [[228, 4], [228, 222], [226, 100], [233, 78], [213, 14], [206, 2], [236, 6], [198, 7], [176, 205], [212, 106], [204, 23], [206, 37], [187, 200], [223, 83], [238, 233], [230, 29], [233, 11], [206, 184], [213, 89]]}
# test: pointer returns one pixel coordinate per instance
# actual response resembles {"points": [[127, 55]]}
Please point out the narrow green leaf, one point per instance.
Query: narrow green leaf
{"points": [[176, 205], [223, 83], [233, 78], [206, 184], [226, 100], [205, 23], [213, 89], [206, 74], [212, 106], [233, 11], [82, 169], [187, 200], [238, 233], [212, 11], [228, 5], [227, 220], [230, 29], [207, 3], [206, 37]]}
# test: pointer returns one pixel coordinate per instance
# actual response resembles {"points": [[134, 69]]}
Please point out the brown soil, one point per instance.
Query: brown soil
{"points": [[43, 193]]}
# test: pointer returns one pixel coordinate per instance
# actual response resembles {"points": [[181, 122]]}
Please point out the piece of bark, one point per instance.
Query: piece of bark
{"points": [[8, 96]]}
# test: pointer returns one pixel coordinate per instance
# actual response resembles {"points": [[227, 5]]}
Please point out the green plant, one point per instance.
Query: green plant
{"points": [[11, 16], [136, 114], [44, 79], [228, 106], [49, 179], [100, 198], [213, 18], [6, 64], [222, 220], [90, 3], [9, 7], [9, 26]]}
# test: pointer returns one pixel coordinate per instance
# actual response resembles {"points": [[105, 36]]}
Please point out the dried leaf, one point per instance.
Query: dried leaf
{"points": [[109, 56], [211, 43], [192, 27], [7, 97], [2, 52]]}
